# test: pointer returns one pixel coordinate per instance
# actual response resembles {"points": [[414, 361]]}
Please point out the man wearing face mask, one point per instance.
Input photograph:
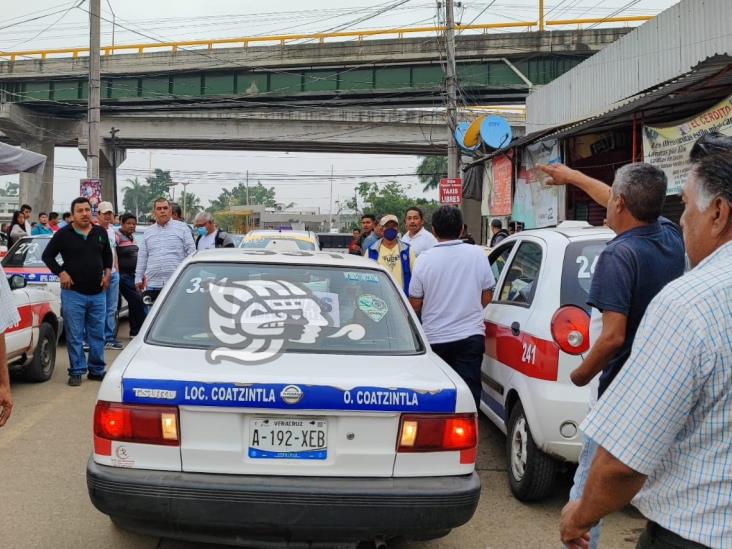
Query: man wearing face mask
{"points": [[392, 253], [209, 235]]}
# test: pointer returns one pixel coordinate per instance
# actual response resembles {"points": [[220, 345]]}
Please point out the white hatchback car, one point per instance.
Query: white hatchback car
{"points": [[276, 398], [537, 329]]}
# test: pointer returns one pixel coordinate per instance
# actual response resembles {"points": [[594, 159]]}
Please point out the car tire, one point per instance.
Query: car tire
{"points": [[531, 472], [40, 367]]}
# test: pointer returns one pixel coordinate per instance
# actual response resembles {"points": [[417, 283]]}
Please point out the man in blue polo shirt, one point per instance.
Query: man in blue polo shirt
{"points": [[646, 254]]}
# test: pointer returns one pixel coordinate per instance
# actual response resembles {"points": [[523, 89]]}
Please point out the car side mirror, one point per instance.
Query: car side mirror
{"points": [[17, 282]]}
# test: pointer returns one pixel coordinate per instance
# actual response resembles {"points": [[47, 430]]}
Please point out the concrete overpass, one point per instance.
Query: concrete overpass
{"points": [[337, 130], [336, 97]]}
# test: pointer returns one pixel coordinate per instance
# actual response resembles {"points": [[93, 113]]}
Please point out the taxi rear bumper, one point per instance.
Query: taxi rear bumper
{"points": [[241, 508]]}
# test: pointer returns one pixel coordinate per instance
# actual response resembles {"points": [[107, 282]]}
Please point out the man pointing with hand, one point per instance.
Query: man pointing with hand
{"points": [[84, 272]]}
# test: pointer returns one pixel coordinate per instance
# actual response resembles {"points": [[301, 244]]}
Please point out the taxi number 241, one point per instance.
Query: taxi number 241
{"points": [[529, 353]]}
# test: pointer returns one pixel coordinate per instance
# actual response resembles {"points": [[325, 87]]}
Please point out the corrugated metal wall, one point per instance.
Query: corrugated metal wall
{"points": [[669, 45]]}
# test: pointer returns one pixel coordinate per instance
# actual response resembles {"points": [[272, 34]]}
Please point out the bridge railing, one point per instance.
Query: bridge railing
{"points": [[320, 37]]}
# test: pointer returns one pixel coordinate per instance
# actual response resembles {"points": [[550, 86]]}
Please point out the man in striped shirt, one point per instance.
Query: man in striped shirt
{"points": [[165, 245], [664, 427]]}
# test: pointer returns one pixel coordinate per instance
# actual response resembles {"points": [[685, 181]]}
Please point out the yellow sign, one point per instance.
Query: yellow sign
{"points": [[668, 146]]}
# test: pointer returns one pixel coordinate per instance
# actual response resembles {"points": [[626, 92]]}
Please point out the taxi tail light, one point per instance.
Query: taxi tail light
{"points": [[571, 329], [440, 433], [137, 423]]}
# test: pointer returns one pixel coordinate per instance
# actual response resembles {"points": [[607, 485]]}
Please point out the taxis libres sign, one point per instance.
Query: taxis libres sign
{"points": [[668, 146]]}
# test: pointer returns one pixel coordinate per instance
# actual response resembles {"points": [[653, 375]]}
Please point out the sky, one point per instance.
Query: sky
{"points": [[62, 24]]}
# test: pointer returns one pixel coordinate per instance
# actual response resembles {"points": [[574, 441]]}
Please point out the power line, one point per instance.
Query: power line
{"points": [[75, 4]]}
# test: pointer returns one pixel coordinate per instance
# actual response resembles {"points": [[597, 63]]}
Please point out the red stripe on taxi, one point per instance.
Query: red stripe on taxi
{"points": [[529, 355], [26, 319]]}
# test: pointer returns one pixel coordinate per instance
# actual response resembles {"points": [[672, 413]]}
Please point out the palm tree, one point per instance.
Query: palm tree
{"points": [[192, 204], [431, 170], [136, 196]]}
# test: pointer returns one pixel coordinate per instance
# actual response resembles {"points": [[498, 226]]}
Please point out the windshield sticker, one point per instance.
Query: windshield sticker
{"points": [[374, 307], [360, 277], [255, 320], [286, 396]]}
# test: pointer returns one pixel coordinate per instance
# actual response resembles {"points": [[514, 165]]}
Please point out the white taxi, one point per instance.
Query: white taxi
{"points": [[281, 240], [30, 345], [537, 330], [277, 398]]}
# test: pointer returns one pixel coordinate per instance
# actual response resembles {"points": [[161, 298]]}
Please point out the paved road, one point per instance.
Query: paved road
{"points": [[44, 502]]}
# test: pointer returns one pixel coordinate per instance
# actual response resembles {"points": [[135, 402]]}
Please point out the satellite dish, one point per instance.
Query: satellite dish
{"points": [[460, 131], [496, 132], [472, 136]]}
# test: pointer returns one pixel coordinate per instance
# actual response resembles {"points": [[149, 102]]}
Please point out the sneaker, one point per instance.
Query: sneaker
{"points": [[95, 377], [114, 345], [86, 347], [74, 381]]}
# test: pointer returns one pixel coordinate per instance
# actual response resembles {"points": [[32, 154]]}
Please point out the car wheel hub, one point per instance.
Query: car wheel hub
{"points": [[518, 449]]}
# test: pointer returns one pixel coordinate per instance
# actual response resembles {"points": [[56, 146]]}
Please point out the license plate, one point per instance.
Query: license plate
{"points": [[288, 438]]}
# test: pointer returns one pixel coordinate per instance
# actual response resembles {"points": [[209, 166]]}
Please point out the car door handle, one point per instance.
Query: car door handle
{"points": [[516, 328]]}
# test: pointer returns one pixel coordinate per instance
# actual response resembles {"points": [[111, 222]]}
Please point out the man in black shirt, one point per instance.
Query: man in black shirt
{"points": [[85, 271], [127, 249]]}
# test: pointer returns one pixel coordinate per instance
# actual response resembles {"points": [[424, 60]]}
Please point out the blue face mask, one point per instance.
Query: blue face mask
{"points": [[202, 231], [391, 233]]}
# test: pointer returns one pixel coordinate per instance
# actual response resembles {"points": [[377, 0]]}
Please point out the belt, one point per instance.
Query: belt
{"points": [[671, 539]]}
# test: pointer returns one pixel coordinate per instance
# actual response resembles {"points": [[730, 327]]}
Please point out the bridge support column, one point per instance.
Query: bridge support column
{"points": [[36, 190]]}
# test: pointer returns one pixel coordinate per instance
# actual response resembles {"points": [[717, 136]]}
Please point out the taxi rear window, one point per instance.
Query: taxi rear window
{"points": [[580, 259], [279, 243], [296, 308], [26, 252]]}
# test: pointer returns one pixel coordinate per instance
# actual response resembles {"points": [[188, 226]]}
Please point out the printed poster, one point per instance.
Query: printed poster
{"points": [[668, 146], [92, 190], [497, 181], [535, 204]]}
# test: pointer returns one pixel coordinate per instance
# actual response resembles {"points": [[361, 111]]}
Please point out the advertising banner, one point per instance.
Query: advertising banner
{"points": [[92, 190], [668, 146], [497, 181], [451, 191], [536, 204]]}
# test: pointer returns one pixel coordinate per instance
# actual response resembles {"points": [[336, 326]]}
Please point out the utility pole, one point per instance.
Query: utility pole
{"points": [[330, 202], [247, 187], [185, 198], [113, 132], [453, 153], [92, 153], [541, 15]]}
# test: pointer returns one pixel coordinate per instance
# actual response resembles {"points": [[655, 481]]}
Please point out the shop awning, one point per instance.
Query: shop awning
{"points": [[16, 160]]}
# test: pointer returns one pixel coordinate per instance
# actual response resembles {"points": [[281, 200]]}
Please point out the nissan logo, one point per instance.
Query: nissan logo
{"points": [[292, 394]]}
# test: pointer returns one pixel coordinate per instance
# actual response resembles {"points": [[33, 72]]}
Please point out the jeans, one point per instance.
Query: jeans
{"points": [[465, 357], [135, 306], [589, 449], [84, 314], [111, 295], [657, 537]]}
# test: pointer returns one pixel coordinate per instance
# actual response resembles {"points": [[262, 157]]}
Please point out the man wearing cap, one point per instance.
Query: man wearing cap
{"points": [[111, 295], [392, 253]]}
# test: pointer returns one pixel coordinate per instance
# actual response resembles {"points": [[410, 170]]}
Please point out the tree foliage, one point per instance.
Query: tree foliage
{"points": [[431, 170], [11, 189], [389, 198], [139, 197], [239, 196]]}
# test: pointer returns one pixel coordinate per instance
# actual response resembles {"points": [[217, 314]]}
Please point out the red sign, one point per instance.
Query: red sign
{"points": [[451, 191], [500, 198]]}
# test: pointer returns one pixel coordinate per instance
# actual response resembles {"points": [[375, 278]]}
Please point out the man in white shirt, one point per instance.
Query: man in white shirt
{"points": [[418, 238], [106, 219], [452, 310], [166, 244]]}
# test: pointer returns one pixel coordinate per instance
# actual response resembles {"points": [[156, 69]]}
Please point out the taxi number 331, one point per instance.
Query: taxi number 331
{"points": [[529, 353]]}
